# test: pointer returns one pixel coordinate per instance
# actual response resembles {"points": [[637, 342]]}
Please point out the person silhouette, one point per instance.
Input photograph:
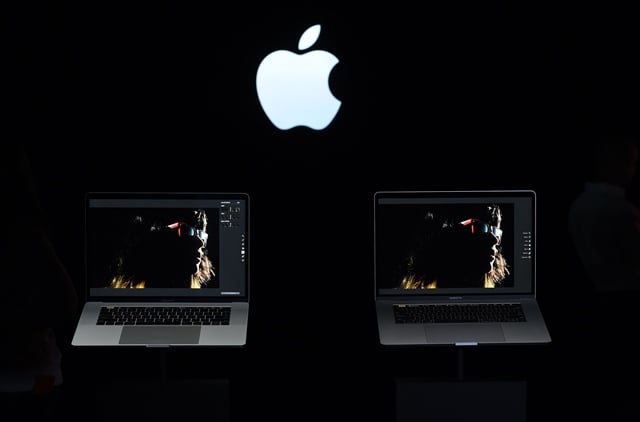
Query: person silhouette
{"points": [[604, 228], [39, 300], [604, 224]]}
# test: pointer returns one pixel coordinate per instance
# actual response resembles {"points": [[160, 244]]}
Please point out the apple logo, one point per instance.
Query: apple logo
{"points": [[293, 89]]}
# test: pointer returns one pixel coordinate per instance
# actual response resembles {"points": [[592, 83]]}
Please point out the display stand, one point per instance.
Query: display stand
{"points": [[460, 399], [163, 399]]}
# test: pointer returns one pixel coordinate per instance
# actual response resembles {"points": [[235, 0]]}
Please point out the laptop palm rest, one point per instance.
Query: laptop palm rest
{"points": [[135, 334], [464, 333]]}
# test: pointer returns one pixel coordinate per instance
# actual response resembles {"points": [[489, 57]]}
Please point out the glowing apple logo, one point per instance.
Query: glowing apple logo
{"points": [[293, 89]]}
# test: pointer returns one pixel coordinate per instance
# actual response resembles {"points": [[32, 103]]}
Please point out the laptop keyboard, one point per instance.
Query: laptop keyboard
{"points": [[164, 315], [462, 312]]}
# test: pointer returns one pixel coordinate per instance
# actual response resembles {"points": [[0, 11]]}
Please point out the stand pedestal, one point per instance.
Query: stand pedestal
{"points": [[460, 399], [450, 401], [163, 399], [174, 400]]}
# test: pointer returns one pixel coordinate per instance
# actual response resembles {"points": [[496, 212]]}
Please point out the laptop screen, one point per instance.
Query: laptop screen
{"points": [[455, 243], [174, 246]]}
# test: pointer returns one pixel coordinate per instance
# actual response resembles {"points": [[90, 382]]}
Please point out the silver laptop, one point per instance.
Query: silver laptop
{"points": [[456, 268], [165, 270]]}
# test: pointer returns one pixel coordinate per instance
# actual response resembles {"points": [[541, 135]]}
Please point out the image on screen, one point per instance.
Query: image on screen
{"points": [[153, 248], [446, 246]]}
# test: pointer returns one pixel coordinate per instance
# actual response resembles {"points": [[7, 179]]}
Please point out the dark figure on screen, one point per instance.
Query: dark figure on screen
{"points": [[165, 253], [457, 252]]}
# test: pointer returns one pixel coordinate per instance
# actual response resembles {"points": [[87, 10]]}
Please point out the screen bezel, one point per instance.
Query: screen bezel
{"points": [[229, 290]]}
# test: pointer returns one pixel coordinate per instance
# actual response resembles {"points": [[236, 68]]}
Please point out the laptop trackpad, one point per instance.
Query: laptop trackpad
{"points": [[136, 334], [465, 333]]}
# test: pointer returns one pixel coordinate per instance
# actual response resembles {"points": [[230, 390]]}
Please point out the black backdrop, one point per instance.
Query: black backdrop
{"points": [[160, 96]]}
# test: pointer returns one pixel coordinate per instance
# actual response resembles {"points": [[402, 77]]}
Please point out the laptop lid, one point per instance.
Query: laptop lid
{"points": [[183, 249], [453, 247]]}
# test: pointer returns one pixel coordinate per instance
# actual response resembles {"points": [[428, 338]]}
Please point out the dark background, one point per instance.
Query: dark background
{"points": [[160, 96]]}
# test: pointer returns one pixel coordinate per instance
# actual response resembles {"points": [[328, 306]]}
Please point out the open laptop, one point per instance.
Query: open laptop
{"points": [[165, 269], [469, 255]]}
